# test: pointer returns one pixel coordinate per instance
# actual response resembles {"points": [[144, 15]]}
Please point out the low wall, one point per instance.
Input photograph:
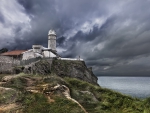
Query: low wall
{"points": [[6, 64], [71, 59], [6, 59]]}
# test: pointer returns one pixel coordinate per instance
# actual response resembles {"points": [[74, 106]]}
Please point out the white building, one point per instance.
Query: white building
{"points": [[40, 51]]}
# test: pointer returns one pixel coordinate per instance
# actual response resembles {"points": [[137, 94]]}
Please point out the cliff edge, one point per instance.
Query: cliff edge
{"points": [[63, 68], [74, 69]]}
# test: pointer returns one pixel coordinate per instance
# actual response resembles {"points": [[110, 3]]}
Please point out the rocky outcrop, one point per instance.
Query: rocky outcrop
{"points": [[74, 69], [66, 92], [63, 68], [62, 90], [42, 67], [9, 77]]}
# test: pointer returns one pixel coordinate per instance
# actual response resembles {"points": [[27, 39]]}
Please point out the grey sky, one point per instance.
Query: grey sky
{"points": [[112, 36]]}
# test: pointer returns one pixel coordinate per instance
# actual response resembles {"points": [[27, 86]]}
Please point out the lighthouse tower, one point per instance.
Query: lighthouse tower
{"points": [[52, 40]]}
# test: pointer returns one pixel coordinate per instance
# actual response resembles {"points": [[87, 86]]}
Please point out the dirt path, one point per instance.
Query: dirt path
{"points": [[2, 83], [66, 93], [9, 77], [30, 81], [7, 107]]}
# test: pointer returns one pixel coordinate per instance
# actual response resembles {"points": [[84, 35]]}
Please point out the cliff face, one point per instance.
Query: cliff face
{"points": [[63, 68], [46, 88], [74, 69]]}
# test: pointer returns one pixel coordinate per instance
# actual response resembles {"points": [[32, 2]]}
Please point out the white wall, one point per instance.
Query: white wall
{"points": [[52, 42], [49, 54], [71, 59], [37, 48], [28, 54]]}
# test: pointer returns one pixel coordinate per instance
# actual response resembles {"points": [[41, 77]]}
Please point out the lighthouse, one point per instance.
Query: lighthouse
{"points": [[52, 40]]}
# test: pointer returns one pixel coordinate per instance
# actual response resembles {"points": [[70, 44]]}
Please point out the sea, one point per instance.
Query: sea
{"points": [[138, 87]]}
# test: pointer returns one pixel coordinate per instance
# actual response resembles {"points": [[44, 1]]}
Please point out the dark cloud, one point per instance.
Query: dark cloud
{"points": [[28, 5], [111, 36], [2, 20], [61, 41]]}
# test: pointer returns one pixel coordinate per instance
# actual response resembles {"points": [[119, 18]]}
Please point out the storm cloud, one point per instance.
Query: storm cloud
{"points": [[111, 36]]}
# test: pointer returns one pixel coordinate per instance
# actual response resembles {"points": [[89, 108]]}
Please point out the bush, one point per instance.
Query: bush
{"points": [[17, 83]]}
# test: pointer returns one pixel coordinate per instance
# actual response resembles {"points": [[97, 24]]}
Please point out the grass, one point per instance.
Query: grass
{"points": [[8, 95], [146, 105], [37, 103], [18, 83], [2, 75], [108, 101], [93, 98]]}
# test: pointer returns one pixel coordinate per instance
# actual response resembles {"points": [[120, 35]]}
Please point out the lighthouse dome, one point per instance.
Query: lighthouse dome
{"points": [[51, 32]]}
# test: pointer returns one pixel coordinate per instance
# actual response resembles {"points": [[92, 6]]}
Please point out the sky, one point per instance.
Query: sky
{"points": [[112, 36]]}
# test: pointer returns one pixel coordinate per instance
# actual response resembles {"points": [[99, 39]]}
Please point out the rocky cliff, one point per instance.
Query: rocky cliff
{"points": [[74, 69], [59, 86], [63, 68]]}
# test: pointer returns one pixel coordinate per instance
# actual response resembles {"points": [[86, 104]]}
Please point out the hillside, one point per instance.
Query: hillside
{"points": [[58, 86], [26, 93]]}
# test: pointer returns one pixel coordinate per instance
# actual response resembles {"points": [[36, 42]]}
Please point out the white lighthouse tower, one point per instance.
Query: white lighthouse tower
{"points": [[52, 40]]}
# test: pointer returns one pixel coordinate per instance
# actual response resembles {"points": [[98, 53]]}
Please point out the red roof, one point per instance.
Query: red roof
{"points": [[13, 53]]}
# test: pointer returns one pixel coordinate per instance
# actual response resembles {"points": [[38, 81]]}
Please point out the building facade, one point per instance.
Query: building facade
{"points": [[40, 51]]}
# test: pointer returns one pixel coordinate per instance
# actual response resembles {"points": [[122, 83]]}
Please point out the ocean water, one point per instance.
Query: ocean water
{"points": [[134, 86]]}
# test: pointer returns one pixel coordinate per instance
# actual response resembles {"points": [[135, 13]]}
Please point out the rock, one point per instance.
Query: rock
{"points": [[7, 78], [41, 67], [63, 68], [74, 69], [93, 98], [66, 92]]}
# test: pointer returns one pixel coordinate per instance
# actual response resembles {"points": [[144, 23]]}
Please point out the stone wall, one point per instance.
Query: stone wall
{"points": [[6, 64]]}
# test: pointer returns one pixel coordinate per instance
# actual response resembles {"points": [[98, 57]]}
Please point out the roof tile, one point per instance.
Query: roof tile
{"points": [[13, 53]]}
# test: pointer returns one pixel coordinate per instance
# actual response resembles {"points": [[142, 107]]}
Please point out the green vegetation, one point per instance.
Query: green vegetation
{"points": [[17, 69], [2, 75], [16, 83], [92, 97], [146, 103], [108, 100], [8, 96], [37, 103], [3, 50]]}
